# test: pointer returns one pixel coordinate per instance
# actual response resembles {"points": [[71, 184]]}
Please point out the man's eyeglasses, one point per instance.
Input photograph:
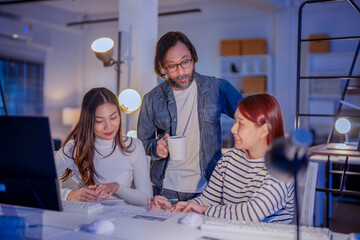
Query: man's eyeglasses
{"points": [[174, 67]]}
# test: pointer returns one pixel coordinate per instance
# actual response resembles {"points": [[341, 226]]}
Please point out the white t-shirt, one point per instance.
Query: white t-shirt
{"points": [[118, 167], [185, 175]]}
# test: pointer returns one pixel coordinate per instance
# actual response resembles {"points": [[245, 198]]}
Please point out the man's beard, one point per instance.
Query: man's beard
{"points": [[175, 84]]}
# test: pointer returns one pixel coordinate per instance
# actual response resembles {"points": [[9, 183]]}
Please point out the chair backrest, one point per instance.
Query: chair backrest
{"points": [[306, 194]]}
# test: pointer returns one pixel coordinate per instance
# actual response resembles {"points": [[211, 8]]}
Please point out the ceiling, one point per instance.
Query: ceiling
{"points": [[90, 7], [97, 7], [94, 7], [103, 7]]}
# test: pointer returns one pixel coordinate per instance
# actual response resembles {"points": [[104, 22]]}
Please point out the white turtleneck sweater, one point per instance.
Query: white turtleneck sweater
{"points": [[117, 167]]}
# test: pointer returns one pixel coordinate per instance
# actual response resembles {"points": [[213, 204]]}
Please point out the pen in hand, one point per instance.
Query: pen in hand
{"points": [[73, 177], [169, 200]]}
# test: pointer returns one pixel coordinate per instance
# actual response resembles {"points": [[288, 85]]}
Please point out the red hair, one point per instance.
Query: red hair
{"points": [[263, 108]]}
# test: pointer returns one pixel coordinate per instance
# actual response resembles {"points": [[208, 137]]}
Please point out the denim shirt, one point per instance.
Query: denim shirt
{"points": [[158, 116]]}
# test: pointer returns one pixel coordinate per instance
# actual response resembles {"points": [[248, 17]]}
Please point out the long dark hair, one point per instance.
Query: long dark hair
{"points": [[263, 108], [84, 136], [167, 41]]}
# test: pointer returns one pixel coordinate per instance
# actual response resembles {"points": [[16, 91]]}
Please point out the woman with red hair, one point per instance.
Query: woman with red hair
{"points": [[241, 188]]}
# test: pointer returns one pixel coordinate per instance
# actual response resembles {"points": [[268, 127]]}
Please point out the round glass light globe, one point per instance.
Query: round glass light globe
{"points": [[130, 100], [342, 125], [132, 133]]}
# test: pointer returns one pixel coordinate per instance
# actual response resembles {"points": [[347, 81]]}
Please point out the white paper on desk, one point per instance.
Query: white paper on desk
{"points": [[111, 201], [128, 211]]}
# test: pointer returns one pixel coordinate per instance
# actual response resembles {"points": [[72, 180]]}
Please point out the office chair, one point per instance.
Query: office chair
{"points": [[306, 192]]}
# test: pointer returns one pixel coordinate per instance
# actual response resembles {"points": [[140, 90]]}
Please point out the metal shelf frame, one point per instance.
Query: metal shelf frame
{"points": [[347, 77], [328, 171]]}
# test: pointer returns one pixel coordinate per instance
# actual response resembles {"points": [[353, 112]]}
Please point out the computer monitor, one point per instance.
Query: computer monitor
{"points": [[27, 168]]}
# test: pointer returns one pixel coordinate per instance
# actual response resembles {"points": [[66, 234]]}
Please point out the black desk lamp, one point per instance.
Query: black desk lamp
{"points": [[286, 157]]}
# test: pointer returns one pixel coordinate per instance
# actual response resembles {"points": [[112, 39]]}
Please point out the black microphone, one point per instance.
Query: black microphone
{"points": [[288, 155]]}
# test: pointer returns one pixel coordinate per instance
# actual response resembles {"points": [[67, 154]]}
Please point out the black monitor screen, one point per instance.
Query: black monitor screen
{"points": [[27, 169]]}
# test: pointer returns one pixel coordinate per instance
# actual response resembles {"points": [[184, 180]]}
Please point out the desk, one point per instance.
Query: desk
{"points": [[323, 150], [344, 157], [61, 225]]}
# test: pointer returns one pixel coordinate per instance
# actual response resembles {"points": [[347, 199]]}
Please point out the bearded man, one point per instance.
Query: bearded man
{"points": [[187, 104]]}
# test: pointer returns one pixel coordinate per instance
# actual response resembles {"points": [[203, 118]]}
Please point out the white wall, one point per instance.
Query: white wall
{"points": [[62, 76], [138, 26]]}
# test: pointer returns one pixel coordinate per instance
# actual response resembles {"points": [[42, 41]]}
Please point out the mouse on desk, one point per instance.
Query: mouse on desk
{"points": [[191, 219], [100, 226]]}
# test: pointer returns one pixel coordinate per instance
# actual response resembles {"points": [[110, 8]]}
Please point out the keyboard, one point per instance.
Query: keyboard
{"points": [[81, 207], [259, 230]]}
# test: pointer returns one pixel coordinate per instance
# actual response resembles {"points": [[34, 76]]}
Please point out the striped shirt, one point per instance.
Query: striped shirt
{"points": [[243, 189]]}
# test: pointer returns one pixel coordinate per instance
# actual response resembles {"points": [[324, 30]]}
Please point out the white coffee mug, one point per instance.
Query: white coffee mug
{"points": [[177, 147]]}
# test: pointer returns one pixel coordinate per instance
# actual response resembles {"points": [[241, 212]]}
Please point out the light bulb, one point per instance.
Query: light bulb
{"points": [[130, 100], [342, 125], [102, 44], [132, 133]]}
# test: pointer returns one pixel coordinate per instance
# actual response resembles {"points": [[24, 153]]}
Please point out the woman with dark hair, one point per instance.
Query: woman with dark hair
{"points": [[241, 188], [97, 152]]}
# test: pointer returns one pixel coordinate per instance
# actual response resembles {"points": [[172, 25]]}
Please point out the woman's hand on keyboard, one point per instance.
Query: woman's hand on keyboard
{"points": [[106, 188], [83, 194], [189, 206]]}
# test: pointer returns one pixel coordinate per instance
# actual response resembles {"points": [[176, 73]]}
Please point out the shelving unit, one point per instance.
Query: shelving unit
{"points": [[323, 95], [322, 86], [329, 80], [234, 69]]}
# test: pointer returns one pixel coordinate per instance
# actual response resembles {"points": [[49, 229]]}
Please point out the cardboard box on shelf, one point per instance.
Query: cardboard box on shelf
{"points": [[254, 85], [254, 46], [322, 46], [230, 47]]}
